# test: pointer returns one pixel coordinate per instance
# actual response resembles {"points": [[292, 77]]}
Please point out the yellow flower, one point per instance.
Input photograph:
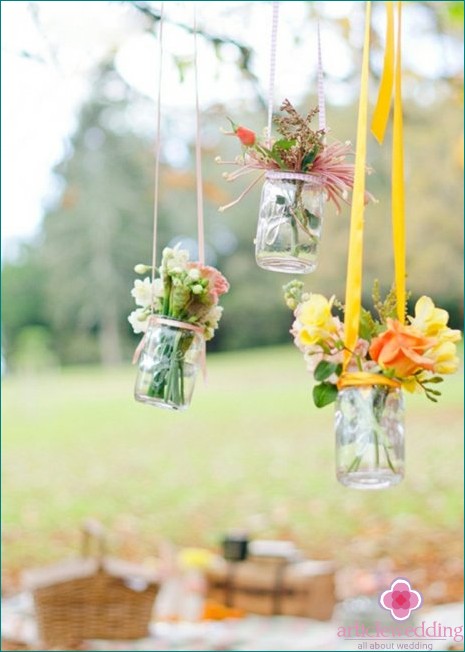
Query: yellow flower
{"points": [[411, 385], [195, 558], [315, 320], [432, 321], [445, 360]]}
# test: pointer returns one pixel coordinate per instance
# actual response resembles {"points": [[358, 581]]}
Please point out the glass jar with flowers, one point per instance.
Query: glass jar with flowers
{"points": [[178, 312], [301, 172], [389, 357]]}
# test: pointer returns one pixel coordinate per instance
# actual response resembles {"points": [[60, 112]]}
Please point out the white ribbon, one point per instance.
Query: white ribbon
{"points": [[198, 155], [157, 155], [273, 47]]}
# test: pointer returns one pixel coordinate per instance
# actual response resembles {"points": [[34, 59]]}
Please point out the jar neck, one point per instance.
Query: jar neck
{"points": [[309, 179]]}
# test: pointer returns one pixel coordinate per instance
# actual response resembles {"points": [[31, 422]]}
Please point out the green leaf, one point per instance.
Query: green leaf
{"points": [[324, 394], [309, 158], [313, 220], [324, 369], [270, 154], [234, 126], [367, 327], [283, 144], [280, 200], [434, 392]]}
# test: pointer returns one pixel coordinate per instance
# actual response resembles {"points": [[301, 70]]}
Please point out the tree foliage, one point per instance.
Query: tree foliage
{"points": [[75, 279]]}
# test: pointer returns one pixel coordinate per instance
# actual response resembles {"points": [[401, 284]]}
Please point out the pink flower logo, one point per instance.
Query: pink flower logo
{"points": [[400, 599]]}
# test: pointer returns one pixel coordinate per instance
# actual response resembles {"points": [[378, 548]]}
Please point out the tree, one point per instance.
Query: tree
{"points": [[97, 231]]}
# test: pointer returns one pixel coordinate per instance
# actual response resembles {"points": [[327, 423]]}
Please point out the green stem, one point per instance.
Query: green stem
{"points": [[355, 464], [375, 437], [389, 459]]}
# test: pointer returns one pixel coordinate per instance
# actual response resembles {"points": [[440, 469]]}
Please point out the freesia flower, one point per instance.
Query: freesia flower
{"points": [[444, 358], [174, 259], [432, 321], [315, 321], [139, 320], [402, 348], [142, 291]]}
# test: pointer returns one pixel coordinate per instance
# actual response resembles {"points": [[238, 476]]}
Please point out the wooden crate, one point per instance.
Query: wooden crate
{"points": [[270, 587]]}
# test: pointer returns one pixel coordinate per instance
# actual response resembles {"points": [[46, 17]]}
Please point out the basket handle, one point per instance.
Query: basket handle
{"points": [[93, 539]]}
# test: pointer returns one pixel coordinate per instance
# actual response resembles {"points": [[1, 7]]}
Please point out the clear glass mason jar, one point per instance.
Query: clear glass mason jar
{"points": [[168, 365], [369, 424], [289, 223]]}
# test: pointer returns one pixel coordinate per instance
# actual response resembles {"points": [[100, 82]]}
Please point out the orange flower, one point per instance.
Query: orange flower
{"points": [[401, 348]]}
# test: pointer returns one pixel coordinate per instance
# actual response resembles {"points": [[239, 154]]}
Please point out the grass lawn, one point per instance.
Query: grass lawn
{"points": [[252, 452]]}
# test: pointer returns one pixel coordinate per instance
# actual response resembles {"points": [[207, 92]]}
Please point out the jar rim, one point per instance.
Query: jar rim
{"points": [[165, 320], [291, 175]]}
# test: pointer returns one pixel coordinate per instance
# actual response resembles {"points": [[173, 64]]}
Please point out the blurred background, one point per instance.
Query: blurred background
{"points": [[78, 125]]}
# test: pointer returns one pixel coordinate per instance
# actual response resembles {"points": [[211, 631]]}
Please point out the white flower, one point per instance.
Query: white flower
{"points": [[142, 291], [213, 316], [208, 333], [194, 274], [138, 320], [174, 260], [158, 288], [197, 289]]}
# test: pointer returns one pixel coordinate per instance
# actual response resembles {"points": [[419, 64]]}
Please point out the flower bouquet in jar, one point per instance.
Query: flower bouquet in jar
{"points": [[177, 312], [302, 171], [388, 357]]}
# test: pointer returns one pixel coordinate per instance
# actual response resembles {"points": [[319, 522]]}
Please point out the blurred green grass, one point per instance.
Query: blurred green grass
{"points": [[252, 452]]}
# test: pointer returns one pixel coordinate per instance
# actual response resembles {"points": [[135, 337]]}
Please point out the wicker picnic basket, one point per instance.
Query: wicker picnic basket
{"points": [[92, 597]]}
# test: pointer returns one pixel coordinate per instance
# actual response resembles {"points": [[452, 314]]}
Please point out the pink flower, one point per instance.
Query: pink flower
{"points": [[217, 284], [314, 354], [400, 599]]}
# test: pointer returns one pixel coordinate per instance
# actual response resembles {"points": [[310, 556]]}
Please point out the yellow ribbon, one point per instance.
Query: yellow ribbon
{"points": [[355, 259], [391, 80], [383, 104], [392, 77], [365, 378]]}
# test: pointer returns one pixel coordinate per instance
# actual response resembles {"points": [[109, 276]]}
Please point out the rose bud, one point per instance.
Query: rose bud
{"points": [[246, 136]]}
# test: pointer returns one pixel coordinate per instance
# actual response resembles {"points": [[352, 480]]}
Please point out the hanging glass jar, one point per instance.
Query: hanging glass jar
{"points": [[369, 424], [289, 222], [168, 364]]}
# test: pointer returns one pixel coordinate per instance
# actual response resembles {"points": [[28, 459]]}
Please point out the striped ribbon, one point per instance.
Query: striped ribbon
{"points": [[272, 77], [273, 47], [321, 87]]}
